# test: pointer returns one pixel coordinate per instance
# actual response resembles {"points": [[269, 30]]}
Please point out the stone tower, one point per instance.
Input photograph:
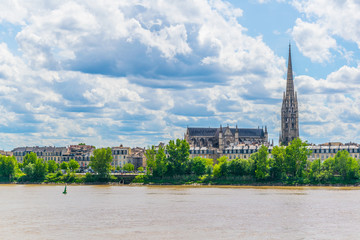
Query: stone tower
{"points": [[289, 109]]}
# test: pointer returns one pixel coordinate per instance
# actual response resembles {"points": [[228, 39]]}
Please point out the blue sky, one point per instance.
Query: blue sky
{"points": [[139, 72]]}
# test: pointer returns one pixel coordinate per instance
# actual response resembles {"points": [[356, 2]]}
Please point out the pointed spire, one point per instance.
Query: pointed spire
{"points": [[290, 80]]}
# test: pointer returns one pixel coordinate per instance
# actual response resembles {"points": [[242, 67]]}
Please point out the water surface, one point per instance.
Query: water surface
{"points": [[146, 212]]}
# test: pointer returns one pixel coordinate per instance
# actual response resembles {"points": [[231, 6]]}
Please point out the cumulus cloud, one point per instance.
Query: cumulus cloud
{"points": [[135, 72], [323, 21]]}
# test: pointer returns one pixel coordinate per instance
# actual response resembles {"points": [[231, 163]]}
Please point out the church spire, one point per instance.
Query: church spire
{"points": [[289, 110], [290, 80]]}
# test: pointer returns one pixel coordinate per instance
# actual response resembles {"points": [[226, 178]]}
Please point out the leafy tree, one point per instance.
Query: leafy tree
{"points": [[8, 166], [64, 166], [178, 156], [73, 165], [315, 170], [327, 169], [128, 167], [40, 169], [52, 166], [101, 161], [262, 168], [29, 170], [198, 166], [36, 171], [239, 167], [118, 168], [295, 157], [140, 169], [150, 155], [221, 168], [277, 163], [29, 158], [346, 166], [160, 165]]}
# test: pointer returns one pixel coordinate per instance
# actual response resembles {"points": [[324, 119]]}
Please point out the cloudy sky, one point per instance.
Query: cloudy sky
{"points": [[139, 72]]}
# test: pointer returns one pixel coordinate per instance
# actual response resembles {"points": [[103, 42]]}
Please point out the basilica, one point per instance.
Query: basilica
{"points": [[229, 137], [224, 137]]}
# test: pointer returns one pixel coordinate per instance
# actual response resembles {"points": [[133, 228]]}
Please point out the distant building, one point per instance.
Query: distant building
{"points": [[241, 151], [81, 153], [6, 153], [120, 155], [327, 150], [221, 138], [46, 153]]}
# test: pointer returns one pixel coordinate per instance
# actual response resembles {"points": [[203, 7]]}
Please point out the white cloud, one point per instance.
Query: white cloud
{"points": [[313, 41], [324, 20], [134, 71]]}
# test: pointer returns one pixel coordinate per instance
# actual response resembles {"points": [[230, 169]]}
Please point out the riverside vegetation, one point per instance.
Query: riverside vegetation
{"points": [[286, 166]]}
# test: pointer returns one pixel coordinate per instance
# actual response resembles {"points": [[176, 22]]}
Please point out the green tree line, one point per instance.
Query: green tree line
{"points": [[288, 165]]}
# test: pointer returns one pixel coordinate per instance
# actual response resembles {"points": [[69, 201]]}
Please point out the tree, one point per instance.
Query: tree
{"points": [[101, 161], [29, 158], [178, 156], [36, 171], [346, 166], [295, 157], [140, 169], [52, 166], [277, 163], [160, 164], [239, 167], [150, 155], [221, 168], [128, 167], [73, 165], [8, 166], [64, 166], [198, 166], [262, 164], [315, 170]]}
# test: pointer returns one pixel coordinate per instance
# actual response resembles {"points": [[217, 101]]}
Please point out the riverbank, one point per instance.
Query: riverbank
{"points": [[188, 180]]}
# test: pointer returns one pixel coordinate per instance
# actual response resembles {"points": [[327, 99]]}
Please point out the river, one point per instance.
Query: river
{"points": [[149, 212]]}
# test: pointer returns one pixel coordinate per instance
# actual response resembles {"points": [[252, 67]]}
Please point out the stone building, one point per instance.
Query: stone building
{"points": [[289, 109], [46, 153], [223, 137], [81, 153]]}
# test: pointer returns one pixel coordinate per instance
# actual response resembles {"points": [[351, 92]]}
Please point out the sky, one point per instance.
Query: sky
{"points": [[140, 72]]}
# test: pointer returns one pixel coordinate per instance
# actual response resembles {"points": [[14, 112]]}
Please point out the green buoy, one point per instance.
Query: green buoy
{"points": [[65, 192]]}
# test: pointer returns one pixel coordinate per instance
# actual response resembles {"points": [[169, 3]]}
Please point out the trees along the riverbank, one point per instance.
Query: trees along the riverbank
{"points": [[129, 167], [101, 162], [178, 157], [277, 163], [52, 166], [296, 155], [262, 169], [73, 165], [8, 168], [36, 171]]}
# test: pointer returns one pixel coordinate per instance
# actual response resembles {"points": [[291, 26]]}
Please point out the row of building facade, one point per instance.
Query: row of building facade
{"points": [[136, 156], [322, 151], [82, 154]]}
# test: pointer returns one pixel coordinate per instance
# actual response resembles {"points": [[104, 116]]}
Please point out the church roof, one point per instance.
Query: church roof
{"points": [[208, 132], [247, 132], [243, 132]]}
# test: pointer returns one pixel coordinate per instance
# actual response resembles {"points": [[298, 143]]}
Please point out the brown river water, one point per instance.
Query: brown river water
{"points": [[148, 212]]}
